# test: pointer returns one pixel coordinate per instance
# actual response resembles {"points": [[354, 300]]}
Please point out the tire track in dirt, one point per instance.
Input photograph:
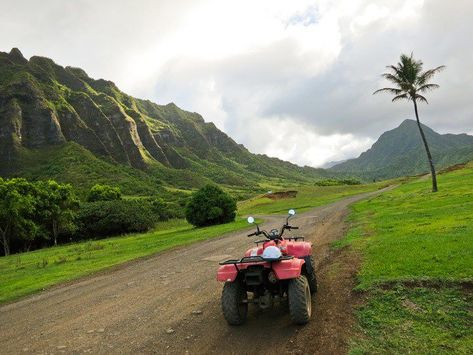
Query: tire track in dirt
{"points": [[170, 303]]}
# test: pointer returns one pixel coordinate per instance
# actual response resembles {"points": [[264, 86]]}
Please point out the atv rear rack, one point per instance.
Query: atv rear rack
{"points": [[253, 259]]}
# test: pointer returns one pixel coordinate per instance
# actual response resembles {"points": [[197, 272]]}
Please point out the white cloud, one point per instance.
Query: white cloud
{"points": [[291, 79]]}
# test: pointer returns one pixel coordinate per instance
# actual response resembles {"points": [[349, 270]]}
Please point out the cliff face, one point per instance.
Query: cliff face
{"points": [[43, 104]]}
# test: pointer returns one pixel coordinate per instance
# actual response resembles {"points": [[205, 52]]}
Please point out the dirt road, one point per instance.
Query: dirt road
{"points": [[170, 303]]}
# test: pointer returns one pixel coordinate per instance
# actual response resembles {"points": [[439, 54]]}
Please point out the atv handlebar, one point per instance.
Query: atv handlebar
{"points": [[274, 234], [258, 232]]}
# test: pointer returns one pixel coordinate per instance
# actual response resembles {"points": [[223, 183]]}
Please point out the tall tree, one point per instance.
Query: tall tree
{"points": [[56, 205], [411, 82], [16, 210]]}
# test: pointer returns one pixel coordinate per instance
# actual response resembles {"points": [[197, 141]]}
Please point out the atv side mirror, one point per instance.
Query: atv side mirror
{"points": [[292, 212], [251, 220]]}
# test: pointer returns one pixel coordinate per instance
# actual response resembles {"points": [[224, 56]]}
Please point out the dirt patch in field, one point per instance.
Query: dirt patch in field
{"points": [[435, 284], [452, 168], [279, 195]]}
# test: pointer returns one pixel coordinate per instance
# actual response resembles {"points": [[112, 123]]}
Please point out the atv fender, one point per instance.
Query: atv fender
{"points": [[299, 249], [288, 269], [227, 273]]}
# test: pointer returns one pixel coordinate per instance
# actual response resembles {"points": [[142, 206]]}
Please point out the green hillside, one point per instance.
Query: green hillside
{"points": [[399, 152], [58, 122], [417, 267]]}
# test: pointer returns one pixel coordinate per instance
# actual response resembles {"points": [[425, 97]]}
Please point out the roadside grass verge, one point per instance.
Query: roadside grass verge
{"points": [[25, 273], [417, 267], [416, 321]]}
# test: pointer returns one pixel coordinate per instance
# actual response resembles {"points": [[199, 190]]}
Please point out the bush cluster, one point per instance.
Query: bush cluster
{"points": [[210, 205], [105, 218], [338, 182], [37, 214], [104, 193]]}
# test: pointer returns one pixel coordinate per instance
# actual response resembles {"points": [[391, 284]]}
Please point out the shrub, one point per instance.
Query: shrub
{"points": [[159, 208], [338, 182], [210, 205], [175, 210], [104, 193], [105, 218]]}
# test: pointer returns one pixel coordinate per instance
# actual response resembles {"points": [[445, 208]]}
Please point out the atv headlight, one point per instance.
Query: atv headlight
{"points": [[271, 253]]}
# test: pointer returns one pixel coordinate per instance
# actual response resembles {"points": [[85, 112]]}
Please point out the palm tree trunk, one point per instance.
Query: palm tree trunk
{"points": [[427, 150]]}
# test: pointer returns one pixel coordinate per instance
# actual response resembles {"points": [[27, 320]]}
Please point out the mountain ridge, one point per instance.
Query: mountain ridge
{"points": [[400, 152], [44, 105]]}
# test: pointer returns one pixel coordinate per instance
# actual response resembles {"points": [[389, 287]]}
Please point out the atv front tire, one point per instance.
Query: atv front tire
{"points": [[311, 278], [300, 300], [234, 305]]}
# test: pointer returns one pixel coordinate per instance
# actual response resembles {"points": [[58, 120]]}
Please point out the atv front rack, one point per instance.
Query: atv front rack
{"points": [[257, 242], [254, 259], [295, 238]]}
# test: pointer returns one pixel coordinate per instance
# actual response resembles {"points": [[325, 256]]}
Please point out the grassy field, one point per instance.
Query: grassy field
{"points": [[25, 273], [417, 268], [307, 197]]}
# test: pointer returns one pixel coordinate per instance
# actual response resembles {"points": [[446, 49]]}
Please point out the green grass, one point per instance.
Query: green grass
{"points": [[417, 252], [25, 273], [416, 321], [308, 197]]}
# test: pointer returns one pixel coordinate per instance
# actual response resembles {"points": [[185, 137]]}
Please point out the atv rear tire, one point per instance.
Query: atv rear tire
{"points": [[300, 300], [311, 278], [234, 308]]}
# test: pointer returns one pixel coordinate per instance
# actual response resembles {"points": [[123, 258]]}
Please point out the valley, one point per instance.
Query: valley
{"points": [[170, 302], [378, 274], [393, 259]]}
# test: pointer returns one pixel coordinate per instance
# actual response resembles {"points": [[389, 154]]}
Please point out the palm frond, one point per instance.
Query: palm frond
{"points": [[389, 90], [421, 98], [395, 70], [428, 74], [428, 87], [401, 97], [409, 78], [393, 78]]}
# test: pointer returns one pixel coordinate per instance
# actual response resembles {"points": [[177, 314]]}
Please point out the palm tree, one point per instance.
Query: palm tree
{"points": [[411, 82]]}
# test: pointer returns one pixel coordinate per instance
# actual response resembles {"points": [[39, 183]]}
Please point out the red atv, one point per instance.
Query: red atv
{"points": [[275, 270]]}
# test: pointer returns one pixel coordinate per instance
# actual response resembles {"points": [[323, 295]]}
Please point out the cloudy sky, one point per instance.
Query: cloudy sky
{"points": [[291, 79]]}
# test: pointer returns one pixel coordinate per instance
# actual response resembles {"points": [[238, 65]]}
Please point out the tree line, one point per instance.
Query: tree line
{"points": [[37, 214]]}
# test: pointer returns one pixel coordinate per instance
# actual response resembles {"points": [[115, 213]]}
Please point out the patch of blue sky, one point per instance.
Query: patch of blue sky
{"points": [[309, 17]]}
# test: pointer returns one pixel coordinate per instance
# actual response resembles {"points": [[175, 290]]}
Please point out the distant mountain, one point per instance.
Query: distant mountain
{"points": [[331, 164], [400, 152], [57, 122]]}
